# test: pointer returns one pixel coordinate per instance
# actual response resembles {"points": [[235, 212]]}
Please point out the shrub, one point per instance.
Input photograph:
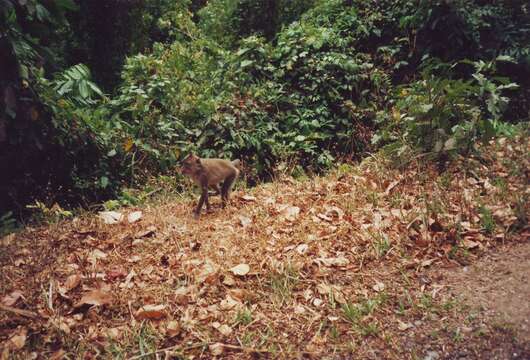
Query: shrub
{"points": [[439, 114]]}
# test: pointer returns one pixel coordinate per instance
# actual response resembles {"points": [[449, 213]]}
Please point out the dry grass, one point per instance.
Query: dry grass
{"points": [[337, 267]]}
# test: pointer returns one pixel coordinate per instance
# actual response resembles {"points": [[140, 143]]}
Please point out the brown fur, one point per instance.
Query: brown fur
{"points": [[209, 173]]}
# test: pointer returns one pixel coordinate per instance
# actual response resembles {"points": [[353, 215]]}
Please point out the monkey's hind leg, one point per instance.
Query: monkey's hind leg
{"points": [[227, 186]]}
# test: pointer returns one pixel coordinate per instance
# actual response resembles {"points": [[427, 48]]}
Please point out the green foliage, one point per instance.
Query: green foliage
{"points": [[74, 83], [489, 90], [243, 316], [43, 213], [7, 223], [306, 99], [227, 21], [357, 314], [439, 113], [287, 86], [486, 220]]}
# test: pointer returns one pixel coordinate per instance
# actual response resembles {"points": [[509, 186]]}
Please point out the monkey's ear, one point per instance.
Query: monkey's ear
{"points": [[198, 160]]}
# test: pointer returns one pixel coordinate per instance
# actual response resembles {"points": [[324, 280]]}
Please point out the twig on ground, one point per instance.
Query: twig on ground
{"points": [[20, 312]]}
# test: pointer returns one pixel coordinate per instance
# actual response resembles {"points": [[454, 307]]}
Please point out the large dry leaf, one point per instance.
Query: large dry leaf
{"points": [[95, 255], [228, 303], [337, 261], [223, 329], [334, 290], [95, 297], [240, 270], [112, 333], [427, 262], [244, 221], [470, 244], [404, 326], [208, 273], [116, 273], [379, 286], [18, 340], [216, 349], [173, 328], [150, 231], [291, 213], [324, 289], [11, 299], [58, 355], [72, 282], [183, 294], [391, 186], [334, 212], [134, 216], [302, 249], [152, 312], [111, 217], [229, 280], [241, 294], [248, 198]]}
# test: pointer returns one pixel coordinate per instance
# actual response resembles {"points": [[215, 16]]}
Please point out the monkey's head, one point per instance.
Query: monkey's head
{"points": [[191, 165]]}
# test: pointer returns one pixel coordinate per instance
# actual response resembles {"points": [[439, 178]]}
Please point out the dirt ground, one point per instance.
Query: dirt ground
{"points": [[367, 262], [497, 287]]}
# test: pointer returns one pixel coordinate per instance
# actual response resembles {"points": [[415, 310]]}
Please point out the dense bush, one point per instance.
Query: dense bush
{"points": [[227, 21], [437, 115], [306, 99]]}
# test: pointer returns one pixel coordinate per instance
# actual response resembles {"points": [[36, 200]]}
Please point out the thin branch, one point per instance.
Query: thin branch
{"points": [[20, 312]]}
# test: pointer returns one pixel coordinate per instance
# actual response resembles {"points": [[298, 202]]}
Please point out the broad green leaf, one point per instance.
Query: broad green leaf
{"points": [[246, 63], [83, 89]]}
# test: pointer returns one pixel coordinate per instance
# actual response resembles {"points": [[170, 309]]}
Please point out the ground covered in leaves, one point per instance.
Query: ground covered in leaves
{"points": [[371, 261]]}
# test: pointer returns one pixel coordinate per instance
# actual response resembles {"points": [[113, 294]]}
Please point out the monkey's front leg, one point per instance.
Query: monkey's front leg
{"points": [[203, 198]]}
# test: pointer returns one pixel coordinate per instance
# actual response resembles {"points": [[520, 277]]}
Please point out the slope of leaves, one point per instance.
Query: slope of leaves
{"points": [[328, 265]]}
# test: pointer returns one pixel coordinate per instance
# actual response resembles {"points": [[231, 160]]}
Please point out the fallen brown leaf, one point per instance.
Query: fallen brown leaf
{"points": [[72, 282], [134, 217], [151, 312], [11, 299], [111, 217], [240, 270], [18, 339], [94, 297]]}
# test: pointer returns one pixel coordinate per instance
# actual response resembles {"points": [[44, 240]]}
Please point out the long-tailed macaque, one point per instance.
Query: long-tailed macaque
{"points": [[210, 173]]}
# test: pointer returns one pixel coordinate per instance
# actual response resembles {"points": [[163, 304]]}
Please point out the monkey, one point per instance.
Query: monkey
{"points": [[209, 173]]}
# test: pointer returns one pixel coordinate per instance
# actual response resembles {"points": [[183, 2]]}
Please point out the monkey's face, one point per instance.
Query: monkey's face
{"points": [[191, 165]]}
